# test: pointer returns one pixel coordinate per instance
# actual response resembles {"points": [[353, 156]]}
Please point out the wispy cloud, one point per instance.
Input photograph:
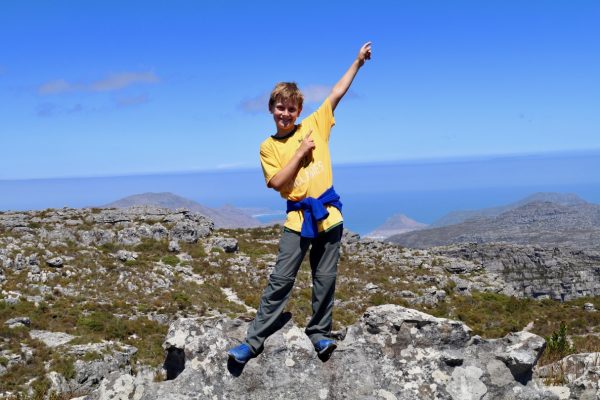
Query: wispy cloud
{"points": [[258, 104], [120, 81], [312, 94], [57, 86], [48, 109], [315, 93], [112, 82], [230, 165], [127, 101]]}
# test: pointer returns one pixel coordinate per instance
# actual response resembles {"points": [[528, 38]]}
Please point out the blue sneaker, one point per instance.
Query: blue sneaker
{"points": [[241, 353], [325, 347]]}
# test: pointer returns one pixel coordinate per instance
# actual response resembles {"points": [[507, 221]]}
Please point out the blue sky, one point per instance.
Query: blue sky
{"points": [[100, 88]]}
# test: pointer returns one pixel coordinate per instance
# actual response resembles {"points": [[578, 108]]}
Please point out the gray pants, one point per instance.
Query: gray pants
{"points": [[324, 256]]}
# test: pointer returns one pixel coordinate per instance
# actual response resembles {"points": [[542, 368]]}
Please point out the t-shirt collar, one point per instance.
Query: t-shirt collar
{"points": [[286, 136]]}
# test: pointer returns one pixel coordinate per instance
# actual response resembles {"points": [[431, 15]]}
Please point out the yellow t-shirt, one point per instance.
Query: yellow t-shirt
{"points": [[313, 178]]}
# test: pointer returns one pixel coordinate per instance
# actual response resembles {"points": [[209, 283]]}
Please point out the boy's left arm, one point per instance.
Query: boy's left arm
{"points": [[340, 88]]}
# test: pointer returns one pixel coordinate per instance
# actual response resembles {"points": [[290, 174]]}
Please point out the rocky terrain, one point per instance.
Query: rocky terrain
{"points": [[456, 217], [115, 303], [541, 223], [391, 353], [223, 217]]}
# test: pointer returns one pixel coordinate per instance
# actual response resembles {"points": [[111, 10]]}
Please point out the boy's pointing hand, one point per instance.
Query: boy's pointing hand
{"points": [[364, 53], [307, 145]]}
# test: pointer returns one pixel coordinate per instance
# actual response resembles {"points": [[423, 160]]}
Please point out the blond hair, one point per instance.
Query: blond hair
{"points": [[286, 91]]}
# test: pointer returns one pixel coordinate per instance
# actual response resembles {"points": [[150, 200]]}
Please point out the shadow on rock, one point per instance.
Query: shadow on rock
{"points": [[174, 363], [234, 367]]}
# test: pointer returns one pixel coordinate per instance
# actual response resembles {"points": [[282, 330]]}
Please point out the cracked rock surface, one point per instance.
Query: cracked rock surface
{"points": [[391, 353]]}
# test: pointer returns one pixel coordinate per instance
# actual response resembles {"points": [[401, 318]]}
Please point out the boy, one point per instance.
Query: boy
{"points": [[296, 163]]}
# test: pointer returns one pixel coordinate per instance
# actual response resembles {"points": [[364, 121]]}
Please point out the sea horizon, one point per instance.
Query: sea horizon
{"points": [[424, 190]]}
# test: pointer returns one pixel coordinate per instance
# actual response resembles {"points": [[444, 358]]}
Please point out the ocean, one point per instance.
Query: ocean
{"points": [[423, 190]]}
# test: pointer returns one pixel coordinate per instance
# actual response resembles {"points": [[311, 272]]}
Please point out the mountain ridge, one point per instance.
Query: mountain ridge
{"points": [[226, 216], [576, 224], [458, 216]]}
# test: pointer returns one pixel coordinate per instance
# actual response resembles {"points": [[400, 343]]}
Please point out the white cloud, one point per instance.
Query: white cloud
{"points": [[126, 101], [57, 86], [230, 165], [46, 109], [313, 93], [256, 104], [316, 93], [120, 81], [110, 83]]}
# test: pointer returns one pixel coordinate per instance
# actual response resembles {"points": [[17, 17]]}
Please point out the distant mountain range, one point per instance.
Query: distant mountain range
{"points": [[223, 217], [549, 219], [456, 217], [395, 225]]}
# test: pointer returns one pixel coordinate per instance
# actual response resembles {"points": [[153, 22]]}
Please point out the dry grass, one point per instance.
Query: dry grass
{"points": [[96, 312]]}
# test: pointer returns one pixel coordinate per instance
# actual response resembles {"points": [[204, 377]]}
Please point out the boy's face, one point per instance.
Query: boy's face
{"points": [[285, 114]]}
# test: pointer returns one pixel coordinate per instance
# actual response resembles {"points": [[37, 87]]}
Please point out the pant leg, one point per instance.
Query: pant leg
{"points": [[292, 249], [324, 257]]}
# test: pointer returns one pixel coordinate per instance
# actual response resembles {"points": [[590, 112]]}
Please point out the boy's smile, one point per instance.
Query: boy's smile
{"points": [[285, 114]]}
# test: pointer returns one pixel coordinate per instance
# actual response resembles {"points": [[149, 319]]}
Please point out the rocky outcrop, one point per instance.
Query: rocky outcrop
{"points": [[75, 276], [223, 217], [456, 217], [228, 245], [531, 271], [537, 223], [126, 226], [577, 376], [391, 353]]}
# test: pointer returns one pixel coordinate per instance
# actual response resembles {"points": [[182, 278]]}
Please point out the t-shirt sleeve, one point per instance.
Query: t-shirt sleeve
{"points": [[322, 119], [268, 161]]}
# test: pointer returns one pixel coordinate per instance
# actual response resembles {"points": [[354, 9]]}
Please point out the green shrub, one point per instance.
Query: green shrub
{"points": [[109, 247], [195, 250], [92, 356], [170, 260], [182, 299], [95, 322], [153, 246], [64, 365], [557, 345]]}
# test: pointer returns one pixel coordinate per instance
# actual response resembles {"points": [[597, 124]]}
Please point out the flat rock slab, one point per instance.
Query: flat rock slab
{"points": [[51, 339]]}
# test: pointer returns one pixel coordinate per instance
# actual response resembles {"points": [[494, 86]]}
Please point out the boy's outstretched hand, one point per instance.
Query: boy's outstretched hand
{"points": [[340, 88], [364, 53]]}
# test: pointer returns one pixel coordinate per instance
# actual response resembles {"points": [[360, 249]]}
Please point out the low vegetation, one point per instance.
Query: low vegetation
{"points": [[97, 297]]}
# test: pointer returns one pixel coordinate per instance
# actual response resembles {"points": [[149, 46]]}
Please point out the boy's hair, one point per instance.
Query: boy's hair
{"points": [[284, 91]]}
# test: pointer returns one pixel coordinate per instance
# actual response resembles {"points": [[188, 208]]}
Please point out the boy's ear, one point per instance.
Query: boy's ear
{"points": [[299, 110]]}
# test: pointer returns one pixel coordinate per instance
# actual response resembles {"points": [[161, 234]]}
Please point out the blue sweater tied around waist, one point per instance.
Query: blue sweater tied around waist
{"points": [[314, 210]]}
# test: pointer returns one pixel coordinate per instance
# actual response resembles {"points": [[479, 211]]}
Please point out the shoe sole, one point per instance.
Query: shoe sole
{"points": [[232, 358]]}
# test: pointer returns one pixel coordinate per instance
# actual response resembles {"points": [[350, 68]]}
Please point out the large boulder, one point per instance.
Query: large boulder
{"points": [[391, 353]]}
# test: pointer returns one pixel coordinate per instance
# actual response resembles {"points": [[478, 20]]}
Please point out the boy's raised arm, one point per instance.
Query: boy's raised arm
{"points": [[340, 88]]}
